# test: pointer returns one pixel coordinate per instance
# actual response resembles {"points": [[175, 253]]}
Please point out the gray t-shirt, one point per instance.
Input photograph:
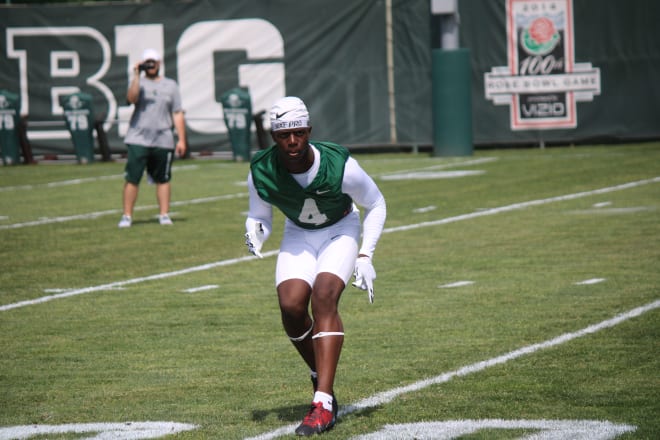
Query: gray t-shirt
{"points": [[151, 122]]}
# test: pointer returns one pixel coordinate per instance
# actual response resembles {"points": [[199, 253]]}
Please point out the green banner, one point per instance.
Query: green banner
{"points": [[331, 54], [541, 70]]}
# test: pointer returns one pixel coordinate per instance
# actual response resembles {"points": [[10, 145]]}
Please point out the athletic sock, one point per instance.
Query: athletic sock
{"points": [[324, 398]]}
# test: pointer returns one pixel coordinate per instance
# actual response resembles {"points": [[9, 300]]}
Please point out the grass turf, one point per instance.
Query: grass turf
{"points": [[146, 349]]}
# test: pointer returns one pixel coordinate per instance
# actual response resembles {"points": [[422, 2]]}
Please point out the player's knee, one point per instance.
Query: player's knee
{"points": [[293, 313], [325, 300]]}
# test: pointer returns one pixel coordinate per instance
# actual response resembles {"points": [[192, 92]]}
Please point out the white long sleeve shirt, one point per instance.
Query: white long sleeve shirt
{"points": [[356, 183]]}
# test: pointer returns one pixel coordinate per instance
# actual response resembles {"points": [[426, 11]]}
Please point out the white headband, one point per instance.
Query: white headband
{"points": [[286, 125], [289, 113]]}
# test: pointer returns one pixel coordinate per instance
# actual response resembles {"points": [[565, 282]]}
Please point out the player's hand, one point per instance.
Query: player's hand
{"points": [[254, 240], [365, 274]]}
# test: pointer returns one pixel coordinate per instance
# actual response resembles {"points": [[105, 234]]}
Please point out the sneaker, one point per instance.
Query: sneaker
{"points": [[164, 219], [317, 420], [125, 221]]}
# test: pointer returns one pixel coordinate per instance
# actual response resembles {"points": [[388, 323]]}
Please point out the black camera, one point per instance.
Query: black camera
{"points": [[147, 65]]}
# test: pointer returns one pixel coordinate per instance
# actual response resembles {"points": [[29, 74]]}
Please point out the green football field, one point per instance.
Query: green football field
{"points": [[517, 297]]}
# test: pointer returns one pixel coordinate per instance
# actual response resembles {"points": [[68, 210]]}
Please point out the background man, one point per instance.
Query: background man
{"points": [[149, 139]]}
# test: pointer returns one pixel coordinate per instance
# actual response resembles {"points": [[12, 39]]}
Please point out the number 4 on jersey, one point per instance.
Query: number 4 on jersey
{"points": [[310, 213]]}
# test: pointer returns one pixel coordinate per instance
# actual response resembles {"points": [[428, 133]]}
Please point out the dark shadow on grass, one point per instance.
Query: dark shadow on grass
{"points": [[154, 221], [285, 413], [297, 412]]}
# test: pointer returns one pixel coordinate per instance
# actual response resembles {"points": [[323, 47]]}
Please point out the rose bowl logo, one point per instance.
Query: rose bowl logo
{"points": [[540, 38], [541, 82]]}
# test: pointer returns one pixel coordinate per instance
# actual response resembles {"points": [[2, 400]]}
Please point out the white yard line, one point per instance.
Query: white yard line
{"points": [[61, 183], [82, 180], [456, 284], [389, 395], [93, 215], [116, 284], [590, 281], [522, 205], [208, 266], [441, 166], [201, 288]]}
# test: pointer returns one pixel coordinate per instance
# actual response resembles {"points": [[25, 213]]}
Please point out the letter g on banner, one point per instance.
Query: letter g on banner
{"points": [[258, 38]]}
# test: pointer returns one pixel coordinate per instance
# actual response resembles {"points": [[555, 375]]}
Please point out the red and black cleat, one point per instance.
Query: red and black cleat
{"points": [[318, 420]]}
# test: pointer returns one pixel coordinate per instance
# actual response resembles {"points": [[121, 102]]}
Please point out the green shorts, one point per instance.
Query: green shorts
{"points": [[157, 161]]}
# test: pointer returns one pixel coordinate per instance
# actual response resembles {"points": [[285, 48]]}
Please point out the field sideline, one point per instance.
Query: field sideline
{"points": [[543, 257]]}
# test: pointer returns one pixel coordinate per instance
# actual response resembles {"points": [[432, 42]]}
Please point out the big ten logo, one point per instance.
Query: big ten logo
{"points": [[78, 57]]}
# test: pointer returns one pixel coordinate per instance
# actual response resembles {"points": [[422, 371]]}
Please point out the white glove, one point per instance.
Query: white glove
{"points": [[365, 274], [255, 240]]}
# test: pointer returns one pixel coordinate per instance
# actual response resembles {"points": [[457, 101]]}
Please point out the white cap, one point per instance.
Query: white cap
{"points": [[150, 54], [289, 113]]}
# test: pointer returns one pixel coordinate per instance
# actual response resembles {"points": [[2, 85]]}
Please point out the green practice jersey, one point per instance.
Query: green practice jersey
{"points": [[320, 204]]}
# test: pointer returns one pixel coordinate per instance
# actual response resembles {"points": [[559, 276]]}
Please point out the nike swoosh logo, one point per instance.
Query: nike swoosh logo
{"points": [[322, 192], [279, 115]]}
